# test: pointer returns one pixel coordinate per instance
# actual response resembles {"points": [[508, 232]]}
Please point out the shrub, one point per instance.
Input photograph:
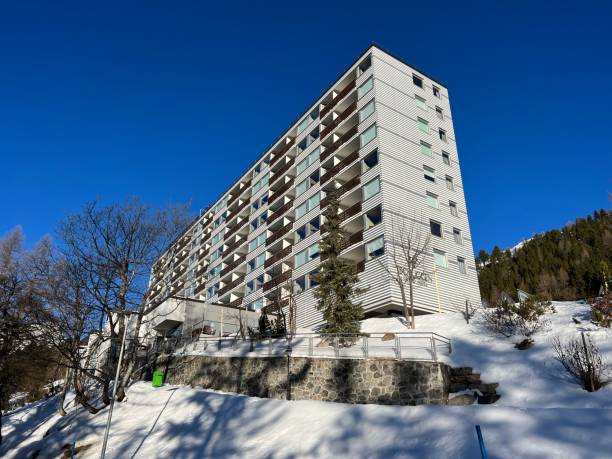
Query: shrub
{"points": [[601, 310], [524, 317], [582, 360]]}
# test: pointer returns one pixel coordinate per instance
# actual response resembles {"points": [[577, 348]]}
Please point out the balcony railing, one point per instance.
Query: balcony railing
{"points": [[282, 171], [338, 167], [277, 281], [345, 188], [278, 256], [348, 213], [200, 287], [237, 210], [332, 103], [334, 124], [233, 265], [279, 233], [338, 143], [203, 254], [236, 227], [280, 212], [282, 190], [281, 152], [233, 246], [231, 285]]}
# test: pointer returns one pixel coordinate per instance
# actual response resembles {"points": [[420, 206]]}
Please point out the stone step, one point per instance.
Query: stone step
{"points": [[487, 399], [460, 371]]}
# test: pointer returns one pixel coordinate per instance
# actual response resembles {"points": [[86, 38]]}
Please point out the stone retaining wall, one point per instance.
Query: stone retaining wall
{"points": [[383, 381]]}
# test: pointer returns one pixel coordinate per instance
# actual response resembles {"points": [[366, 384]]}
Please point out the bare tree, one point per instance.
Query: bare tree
{"points": [[405, 263], [582, 360]]}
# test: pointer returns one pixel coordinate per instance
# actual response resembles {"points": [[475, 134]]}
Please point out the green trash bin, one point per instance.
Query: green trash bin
{"points": [[158, 378]]}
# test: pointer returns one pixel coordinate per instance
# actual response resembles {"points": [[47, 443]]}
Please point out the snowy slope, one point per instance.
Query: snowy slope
{"points": [[541, 414]]}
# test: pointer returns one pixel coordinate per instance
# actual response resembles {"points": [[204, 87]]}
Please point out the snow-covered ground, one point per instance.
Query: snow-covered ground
{"points": [[541, 414]]}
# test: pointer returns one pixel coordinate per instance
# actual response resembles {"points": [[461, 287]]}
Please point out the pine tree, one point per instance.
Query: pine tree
{"points": [[337, 278]]}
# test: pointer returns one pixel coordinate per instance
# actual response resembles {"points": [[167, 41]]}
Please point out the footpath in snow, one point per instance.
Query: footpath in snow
{"points": [[542, 414]]}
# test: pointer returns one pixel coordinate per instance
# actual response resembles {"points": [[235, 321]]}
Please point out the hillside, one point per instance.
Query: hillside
{"points": [[569, 263], [541, 412]]}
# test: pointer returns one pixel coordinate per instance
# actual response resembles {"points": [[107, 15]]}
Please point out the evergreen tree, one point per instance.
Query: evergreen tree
{"points": [[337, 278]]}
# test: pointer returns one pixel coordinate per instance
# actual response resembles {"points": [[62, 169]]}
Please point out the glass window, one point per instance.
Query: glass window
{"points": [[375, 248], [365, 88], [366, 111], [306, 230], [307, 121], [439, 258], [432, 200], [423, 125], [449, 183], [256, 305], [442, 134], [301, 210], [370, 161], [439, 113], [446, 158], [310, 159], [312, 278], [429, 173], [301, 188], [436, 91], [426, 149], [373, 217], [306, 255], [421, 103], [457, 236], [367, 136], [301, 232], [436, 228], [461, 264], [453, 208], [418, 81], [371, 188], [300, 284]]}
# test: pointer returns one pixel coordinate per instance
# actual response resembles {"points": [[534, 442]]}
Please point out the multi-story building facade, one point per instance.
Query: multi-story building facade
{"points": [[382, 136]]}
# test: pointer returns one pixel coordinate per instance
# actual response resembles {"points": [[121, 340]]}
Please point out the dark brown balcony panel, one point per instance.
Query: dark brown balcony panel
{"points": [[200, 287], [282, 171], [237, 210], [361, 266], [338, 143], [281, 152], [334, 124], [203, 254], [230, 286], [280, 233], [344, 188], [235, 228], [233, 246], [338, 167], [278, 281], [236, 303], [233, 265], [348, 213], [272, 308], [280, 212], [278, 256], [282, 190], [349, 87]]}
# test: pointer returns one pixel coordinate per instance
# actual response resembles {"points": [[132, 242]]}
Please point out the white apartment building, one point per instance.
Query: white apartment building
{"points": [[382, 136]]}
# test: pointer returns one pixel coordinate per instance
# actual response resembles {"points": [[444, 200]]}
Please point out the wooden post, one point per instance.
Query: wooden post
{"points": [[589, 376]]}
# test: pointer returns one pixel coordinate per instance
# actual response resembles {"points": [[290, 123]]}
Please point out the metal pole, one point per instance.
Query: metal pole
{"points": [[483, 450], [437, 288], [112, 403]]}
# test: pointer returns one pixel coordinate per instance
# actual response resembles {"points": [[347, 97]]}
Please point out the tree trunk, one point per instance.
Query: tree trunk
{"points": [[404, 302], [411, 288]]}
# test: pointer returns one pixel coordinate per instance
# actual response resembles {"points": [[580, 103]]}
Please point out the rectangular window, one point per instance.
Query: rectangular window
{"points": [[436, 91], [366, 111], [370, 161], [436, 228], [256, 262], [442, 134], [307, 206], [307, 121], [367, 136], [423, 125], [301, 188], [365, 88], [449, 183], [371, 188], [306, 255], [418, 81], [421, 103], [259, 240], [439, 258], [300, 284], [306, 230], [453, 208], [372, 217], [375, 248], [310, 159], [439, 113], [432, 200], [446, 158], [457, 236], [461, 264], [429, 174], [301, 210], [426, 149], [312, 279]]}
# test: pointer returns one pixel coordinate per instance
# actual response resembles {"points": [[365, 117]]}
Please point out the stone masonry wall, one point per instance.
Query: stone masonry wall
{"points": [[383, 381]]}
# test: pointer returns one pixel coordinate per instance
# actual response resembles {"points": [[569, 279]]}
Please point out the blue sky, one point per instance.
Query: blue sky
{"points": [[170, 101]]}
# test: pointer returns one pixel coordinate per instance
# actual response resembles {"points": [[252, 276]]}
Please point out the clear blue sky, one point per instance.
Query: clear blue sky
{"points": [[170, 101]]}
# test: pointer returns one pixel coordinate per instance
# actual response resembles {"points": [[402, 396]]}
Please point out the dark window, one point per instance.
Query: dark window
{"points": [[436, 228], [446, 158], [312, 278], [373, 217], [300, 284], [370, 161], [436, 91], [442, 134], [301, 233], [418, 81], [439, 113]]}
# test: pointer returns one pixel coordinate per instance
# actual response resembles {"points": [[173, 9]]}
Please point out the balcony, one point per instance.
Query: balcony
{"points": [[348, 213], [280, 212], [230, 286], [236, 228], [279, 233], [278, 256], [236, 193], [203, 254], [341, 95], [236, 211], [281, 152], [283, 189], [277, 281], [335, 123], [338, 143], [345, 188], [233, 265], [338, 167], [282, 171], [353, 239]]}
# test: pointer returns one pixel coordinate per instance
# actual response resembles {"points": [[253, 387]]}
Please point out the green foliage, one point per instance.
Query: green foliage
{"points": [[565, 264], [601, 310], [337, 278], [524, 317], [267, 327]]}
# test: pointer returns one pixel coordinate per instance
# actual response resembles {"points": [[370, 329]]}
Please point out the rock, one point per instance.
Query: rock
{"points": [[488, 399], [461, 400], [457, 387], [488, 388], [461, 371], [388, 337], [525, 344]]}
